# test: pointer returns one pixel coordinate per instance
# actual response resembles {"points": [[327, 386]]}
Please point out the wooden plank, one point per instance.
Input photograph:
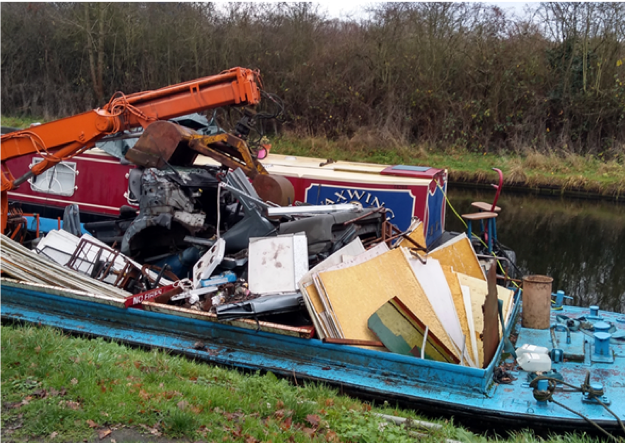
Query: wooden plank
{"points": [[315, 308], [458, 299], [294, 331], [466, 295], [490, 310], [347, 341], [478, 291], [63, 292]]}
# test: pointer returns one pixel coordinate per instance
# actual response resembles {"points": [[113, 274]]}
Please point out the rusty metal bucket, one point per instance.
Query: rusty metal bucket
{"points": [[163, 142], [536, 301]]}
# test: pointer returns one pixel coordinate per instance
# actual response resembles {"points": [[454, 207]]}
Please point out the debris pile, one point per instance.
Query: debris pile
{"points": [[205, 245], [23, 264]]}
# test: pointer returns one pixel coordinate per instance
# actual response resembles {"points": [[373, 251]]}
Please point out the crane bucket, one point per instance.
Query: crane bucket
{"points": [[163, 142]]}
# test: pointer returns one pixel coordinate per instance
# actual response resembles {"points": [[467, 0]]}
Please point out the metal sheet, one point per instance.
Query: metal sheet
{"points": [[314, 209], [276, 264]]}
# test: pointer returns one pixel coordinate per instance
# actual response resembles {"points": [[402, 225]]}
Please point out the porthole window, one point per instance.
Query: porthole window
{"points": [[58, 180]]}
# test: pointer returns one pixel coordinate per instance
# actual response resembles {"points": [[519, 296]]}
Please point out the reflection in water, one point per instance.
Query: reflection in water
{"points": [[580, 243]]}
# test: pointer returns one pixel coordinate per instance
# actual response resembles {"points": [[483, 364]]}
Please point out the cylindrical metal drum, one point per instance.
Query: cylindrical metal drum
{"points": [[536, 301]]}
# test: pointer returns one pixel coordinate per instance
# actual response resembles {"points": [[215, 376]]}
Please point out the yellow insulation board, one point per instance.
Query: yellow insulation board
{"points": [[459, 254], [357, 292], [417, 235]]}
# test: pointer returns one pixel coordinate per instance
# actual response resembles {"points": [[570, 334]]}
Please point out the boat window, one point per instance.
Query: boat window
{"points": [[59, 180]]}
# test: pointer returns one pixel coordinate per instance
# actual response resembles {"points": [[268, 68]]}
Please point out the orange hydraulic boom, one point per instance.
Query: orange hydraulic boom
{"points": [[62, 139]]}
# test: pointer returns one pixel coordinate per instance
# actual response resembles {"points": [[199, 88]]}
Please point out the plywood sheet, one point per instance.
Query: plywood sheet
{"points": [[475, 339], [403, 333], [358, 291], [314, 307], [432, 279], [416, 234], [491, 336], [311, 296], [369, 254], [353, 249], [333, 326], [458, 299], [507, 297], [459, 254], [479, 289]]}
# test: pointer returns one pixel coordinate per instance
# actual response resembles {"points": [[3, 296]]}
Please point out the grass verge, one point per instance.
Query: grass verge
{"points": [[562, 173], [19, 122], [559, 173], [61, 388]]}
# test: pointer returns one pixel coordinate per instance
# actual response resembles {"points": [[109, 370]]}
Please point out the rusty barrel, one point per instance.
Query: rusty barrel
{"points": [[536, 301]]}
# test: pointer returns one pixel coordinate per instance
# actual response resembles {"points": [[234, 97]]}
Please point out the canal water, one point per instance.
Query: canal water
{"points": [[579, 243]]}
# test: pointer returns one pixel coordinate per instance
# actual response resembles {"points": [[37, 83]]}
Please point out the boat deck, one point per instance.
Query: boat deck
{"points": [[438, 387]]}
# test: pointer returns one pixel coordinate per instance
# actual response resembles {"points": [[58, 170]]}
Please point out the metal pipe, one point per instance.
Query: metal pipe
{"points": [[314, 209]]}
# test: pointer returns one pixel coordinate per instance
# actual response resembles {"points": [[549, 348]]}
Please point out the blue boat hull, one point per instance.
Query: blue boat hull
{"points": [[421, 384]]}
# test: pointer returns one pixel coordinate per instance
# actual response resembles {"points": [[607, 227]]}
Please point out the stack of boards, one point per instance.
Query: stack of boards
{"points": [[430, 305]]}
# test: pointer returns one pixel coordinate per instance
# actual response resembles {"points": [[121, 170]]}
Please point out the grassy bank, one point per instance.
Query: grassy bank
{"points": [[554, 173], [560, 172], [61, 388]]}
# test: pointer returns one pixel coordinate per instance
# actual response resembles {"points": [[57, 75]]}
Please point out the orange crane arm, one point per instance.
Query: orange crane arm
{"points": [[64, 138]]}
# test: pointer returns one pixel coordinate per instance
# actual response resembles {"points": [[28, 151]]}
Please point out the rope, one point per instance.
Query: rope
{"points": [[585, 388], [450, 205]]}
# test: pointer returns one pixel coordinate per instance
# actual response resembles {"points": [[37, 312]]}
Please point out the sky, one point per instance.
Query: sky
{"points": [[353, 8], [340, 8]]}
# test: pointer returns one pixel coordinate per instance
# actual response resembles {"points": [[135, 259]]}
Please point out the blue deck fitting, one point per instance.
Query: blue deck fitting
{"points": [[559, 301], [602, 326], [542, 385], [587, 397], [564, 328], [594, 313], [601, 352], [557, 355]]}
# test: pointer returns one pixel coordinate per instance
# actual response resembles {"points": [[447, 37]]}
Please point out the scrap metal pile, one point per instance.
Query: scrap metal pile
{"points": [[224, 271], [341, 273], [204, 243]]}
